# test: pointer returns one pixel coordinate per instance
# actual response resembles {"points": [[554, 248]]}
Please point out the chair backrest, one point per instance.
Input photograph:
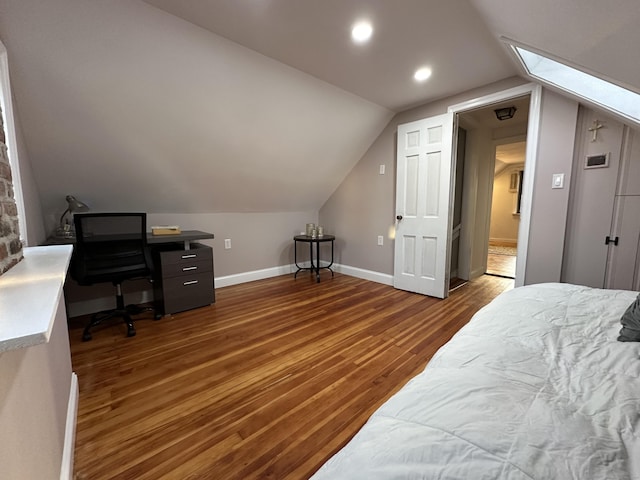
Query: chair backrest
{"points": [[110, 247]]}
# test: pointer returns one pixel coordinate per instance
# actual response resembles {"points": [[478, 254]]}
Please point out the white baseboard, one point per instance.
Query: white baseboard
{"points": [[378, 277], [98, 304], [244, 277], [66, 469], [478, 272], [287, 269]]}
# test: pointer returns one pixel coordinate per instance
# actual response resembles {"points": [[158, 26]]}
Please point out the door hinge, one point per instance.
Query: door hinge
{"points": [[609, 241]]}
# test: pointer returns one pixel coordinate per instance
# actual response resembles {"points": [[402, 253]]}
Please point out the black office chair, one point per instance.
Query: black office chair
{"points": [[111, 247]]}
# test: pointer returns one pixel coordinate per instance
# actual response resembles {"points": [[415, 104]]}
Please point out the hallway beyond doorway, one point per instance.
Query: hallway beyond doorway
{"points": [[501, 260]]}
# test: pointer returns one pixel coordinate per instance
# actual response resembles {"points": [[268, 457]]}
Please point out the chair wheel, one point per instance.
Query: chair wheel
{"points": [[131, 332], [134, 309], [86, 336]]}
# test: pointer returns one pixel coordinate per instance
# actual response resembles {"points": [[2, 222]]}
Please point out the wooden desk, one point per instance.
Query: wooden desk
{"points": [[185, 237], [181, 281]]}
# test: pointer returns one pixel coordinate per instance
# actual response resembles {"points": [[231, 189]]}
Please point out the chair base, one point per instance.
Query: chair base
{"points": [[98, 318], [120, 311]]}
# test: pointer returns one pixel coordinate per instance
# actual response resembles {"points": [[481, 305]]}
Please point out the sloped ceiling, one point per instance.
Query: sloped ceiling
{"points": [[314, 37], [130, 108], [259, 105], [596, 36]]}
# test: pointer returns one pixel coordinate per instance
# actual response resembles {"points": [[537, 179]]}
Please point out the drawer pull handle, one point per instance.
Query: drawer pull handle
{"points": [[187, 269], [193, 255], [191, 282]]}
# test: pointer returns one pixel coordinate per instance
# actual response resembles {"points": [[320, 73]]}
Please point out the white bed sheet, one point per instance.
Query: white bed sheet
{"points": [[534, 387]]}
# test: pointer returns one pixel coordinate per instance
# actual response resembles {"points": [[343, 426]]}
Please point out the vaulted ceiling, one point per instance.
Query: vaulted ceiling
{"points": [[260, 105], [314, 36]]}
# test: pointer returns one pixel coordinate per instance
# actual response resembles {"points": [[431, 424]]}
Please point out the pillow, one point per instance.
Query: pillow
{"points": [[630, 331]]}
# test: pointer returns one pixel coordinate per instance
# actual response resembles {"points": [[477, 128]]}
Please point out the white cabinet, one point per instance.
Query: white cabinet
{"points": [[605, 203], [623, 260]]}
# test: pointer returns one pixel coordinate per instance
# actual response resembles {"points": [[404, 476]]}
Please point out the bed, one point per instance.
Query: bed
{"points": [[535, 386]]}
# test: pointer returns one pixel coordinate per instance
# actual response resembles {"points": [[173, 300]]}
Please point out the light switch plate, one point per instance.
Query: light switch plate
{"points": [[558, 180]]}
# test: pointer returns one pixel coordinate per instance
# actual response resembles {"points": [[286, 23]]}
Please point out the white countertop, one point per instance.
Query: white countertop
{"points": [[30, 293]]}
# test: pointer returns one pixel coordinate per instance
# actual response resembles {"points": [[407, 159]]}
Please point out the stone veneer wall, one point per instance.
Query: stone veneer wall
{"points": [[10, 244]]}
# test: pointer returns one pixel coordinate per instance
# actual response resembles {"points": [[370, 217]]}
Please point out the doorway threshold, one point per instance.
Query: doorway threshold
{"points": [[456, 283], [499, 275]]}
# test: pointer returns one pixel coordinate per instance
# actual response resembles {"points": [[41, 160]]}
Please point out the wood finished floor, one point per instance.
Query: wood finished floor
{"points": [[267, 383], [504, 265], [499, 263]]}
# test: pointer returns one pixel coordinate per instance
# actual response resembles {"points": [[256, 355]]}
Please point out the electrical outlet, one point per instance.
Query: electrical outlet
{"points": [[380, 240], [382, 169], [227, 243]]}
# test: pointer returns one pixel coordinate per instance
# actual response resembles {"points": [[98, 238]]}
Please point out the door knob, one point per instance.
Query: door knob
{"points": [[399, 217]]}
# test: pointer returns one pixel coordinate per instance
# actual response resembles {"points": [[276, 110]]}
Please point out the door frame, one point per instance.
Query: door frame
{"points": [[6, 103], [533, 130], [496, 144]]}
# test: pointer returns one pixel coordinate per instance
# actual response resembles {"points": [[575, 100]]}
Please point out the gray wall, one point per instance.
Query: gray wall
{"points": [[258, 240], [128, 107], [549, 206], [363, 207]]}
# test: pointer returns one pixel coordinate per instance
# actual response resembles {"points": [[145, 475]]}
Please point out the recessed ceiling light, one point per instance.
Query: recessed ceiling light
{"points": [[361, 32], [422, 74]]}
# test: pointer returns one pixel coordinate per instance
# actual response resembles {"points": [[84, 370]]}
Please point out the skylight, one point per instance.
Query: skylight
{"points": [[593, 89]]}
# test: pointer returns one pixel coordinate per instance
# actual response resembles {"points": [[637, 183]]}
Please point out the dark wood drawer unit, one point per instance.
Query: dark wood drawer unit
{"points": [[183, 278]]}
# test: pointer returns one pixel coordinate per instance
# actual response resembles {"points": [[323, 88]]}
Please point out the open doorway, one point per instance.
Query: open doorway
{"points": [[423, 247], [506, 203], [486, 138]]}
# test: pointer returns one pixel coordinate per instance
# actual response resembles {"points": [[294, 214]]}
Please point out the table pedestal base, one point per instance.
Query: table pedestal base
{"points": [[315, 267]]}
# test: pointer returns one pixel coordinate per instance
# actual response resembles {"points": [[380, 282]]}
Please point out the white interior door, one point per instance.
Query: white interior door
{"points": [[623, 262], [592, 205], [423, 188]]}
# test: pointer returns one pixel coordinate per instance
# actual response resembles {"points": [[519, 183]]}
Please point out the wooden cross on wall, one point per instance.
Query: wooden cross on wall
{"points": [[594, 129]]}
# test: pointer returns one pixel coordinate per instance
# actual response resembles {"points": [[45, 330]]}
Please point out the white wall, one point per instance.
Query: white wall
{"points": [[504, 224]]}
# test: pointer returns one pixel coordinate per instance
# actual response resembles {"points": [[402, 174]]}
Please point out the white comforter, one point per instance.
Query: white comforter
{"points": [[534, 387]]}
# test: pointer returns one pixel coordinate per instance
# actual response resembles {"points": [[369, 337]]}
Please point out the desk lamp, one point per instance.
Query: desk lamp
{"points": [[74, 205]]}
